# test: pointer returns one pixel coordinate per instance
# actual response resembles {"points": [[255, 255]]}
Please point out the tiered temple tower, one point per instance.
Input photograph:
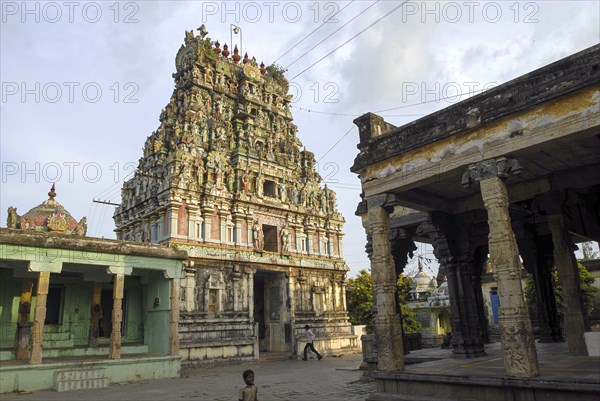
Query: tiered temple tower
{"points": [[225, 178]]}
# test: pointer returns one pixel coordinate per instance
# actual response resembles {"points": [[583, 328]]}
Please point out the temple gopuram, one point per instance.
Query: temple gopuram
{"points": [[225, 178]]}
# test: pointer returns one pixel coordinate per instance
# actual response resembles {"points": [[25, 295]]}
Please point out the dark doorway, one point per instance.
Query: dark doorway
{"points": [[54, 304], [259, 306], [271, 313], [269, 189], [270, 236], [106, 302]]}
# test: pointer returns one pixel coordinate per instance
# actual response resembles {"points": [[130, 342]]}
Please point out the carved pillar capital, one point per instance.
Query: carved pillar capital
{"points": [[501, 167], [385, 201], [439, 241]]}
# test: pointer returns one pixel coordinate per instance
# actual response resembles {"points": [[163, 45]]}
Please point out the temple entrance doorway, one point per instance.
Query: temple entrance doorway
{"points": [[271, 312], [107, 302]]}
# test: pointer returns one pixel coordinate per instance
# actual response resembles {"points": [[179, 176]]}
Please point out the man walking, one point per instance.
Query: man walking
{"points": [[310, 338]]}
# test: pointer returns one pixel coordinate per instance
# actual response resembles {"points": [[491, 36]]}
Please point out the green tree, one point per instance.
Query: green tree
{"points": [[360, 299], [360, 302], [586, 281], [409, 322], [588, 251]]}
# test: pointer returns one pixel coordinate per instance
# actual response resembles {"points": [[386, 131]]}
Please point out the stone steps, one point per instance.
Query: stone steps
{"points": [[92, 351], [399, 397], [67, 380], [274, 356], [58, 340]]}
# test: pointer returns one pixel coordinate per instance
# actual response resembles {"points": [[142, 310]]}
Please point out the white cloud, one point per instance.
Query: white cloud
{"points": [[370, 73]]}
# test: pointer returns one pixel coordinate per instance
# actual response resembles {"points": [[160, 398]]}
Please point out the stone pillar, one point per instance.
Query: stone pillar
{"points": [[244, 292], [537, 258], [334, 293], [343, 289], [323, 248], [388, 327], [299, 237], [477, 266], [237, 229], [250, 272], [173, 215], [249, 232], [97, 314], [23, 324], [340, 236], [117, 316], [39, 318], [154, 229], [192, 221], [291, 300], [236, 276], [309, 240], [223, 214], [207, 214], [174, 317], [160, 232], [190, 289], [518, 347], [568, 278], [137, 231], [451, 246], [457, 307]]}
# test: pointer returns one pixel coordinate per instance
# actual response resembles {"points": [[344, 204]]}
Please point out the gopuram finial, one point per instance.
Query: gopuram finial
{"points": [[203, 31], [52, 194]]}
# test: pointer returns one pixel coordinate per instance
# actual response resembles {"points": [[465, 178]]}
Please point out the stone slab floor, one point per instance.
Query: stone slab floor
{"points": [[331, 379]]}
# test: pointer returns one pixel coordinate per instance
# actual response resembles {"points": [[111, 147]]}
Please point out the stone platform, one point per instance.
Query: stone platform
{"points": [[85, 372], [562, 377]]}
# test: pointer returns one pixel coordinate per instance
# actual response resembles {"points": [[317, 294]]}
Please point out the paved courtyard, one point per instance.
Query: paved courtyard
{"points": [[331, 379]]}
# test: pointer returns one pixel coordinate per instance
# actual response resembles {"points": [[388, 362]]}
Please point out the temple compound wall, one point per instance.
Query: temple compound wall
{"points": [[511, 173], [225, 178]]}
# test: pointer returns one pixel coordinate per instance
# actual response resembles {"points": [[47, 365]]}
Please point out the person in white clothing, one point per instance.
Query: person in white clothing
{"points": [[310, 338]]}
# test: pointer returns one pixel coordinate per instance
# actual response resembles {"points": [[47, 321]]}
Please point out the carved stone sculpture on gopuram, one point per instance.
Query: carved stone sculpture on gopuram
{"points": [[225, 177]]}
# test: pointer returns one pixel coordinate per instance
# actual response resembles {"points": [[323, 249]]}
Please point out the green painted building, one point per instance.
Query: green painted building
{"points": [[79, 312]]}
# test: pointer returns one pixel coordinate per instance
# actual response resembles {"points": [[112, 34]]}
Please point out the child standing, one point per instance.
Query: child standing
{"points": [[310, 338], [250, 392]]}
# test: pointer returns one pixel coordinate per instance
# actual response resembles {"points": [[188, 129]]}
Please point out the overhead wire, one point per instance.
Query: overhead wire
{"points": [[413, 104], [314, 30], [339, 140], [352, 38], [330, 35]]}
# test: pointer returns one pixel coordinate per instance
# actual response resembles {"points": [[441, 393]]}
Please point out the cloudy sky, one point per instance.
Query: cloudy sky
{"points": [[83, 82]]}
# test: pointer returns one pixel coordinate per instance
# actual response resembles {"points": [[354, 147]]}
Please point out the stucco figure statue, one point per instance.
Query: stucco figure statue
{"points": [[257, 236], [13, 217], [285, 239]]}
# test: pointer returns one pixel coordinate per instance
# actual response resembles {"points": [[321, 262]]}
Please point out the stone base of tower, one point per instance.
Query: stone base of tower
{"points": [[219, 342], [334, 338]]}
